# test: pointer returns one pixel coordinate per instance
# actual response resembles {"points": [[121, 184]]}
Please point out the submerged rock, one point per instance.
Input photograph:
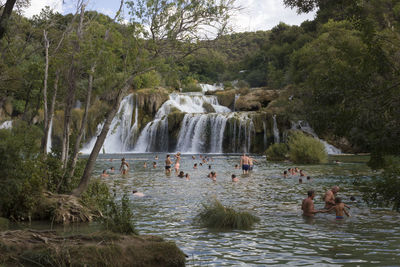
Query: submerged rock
{"points": [[48, 248]]}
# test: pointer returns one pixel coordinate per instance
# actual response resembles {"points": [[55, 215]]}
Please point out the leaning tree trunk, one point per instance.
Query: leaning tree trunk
{"points": [[82, 127], [100, 139], [5, 16], [45, 111]]}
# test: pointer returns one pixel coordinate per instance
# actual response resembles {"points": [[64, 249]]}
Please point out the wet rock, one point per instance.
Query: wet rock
{"points": [[256, 99]]}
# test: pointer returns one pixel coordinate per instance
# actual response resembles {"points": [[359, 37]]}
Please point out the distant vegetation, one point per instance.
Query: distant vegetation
{"points": [[277, 152], [306, 149]]}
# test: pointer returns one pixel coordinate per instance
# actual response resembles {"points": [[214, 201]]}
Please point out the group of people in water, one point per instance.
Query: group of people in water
{"points": [[332, 203], [294, 172]]}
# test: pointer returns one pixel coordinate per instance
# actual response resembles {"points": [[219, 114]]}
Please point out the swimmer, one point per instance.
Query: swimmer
{"points": [[138, 194], [111, 160], [339, 209], [236, 166], [168, 163], [201, 164], [104, 174], [337, 162], [214, 176], [285, 175], [352, 198], [193, 157], [181, 174], [244, 162], [145, 165], [251, 164], [300, 181], [308, 205], [210, 175], [154, 164], [330, 197], [156, 158], [124, 167], [177, 162], [187, 176], [296, 170], [302, 173], [195, 166], [112, 170], [209, 167], [234, 178], [309, 178]]}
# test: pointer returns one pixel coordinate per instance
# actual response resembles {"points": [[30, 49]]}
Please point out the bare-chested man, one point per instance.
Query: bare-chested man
{"points": [[168, 163], [330, 197], [308, 205], [245, 163]]}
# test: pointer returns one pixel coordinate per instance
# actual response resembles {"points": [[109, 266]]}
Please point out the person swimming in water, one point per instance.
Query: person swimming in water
{"points": [[285, 175], [104, 174], [195, 166], [187, 176], [234, 178], [177, 161], [339, 209], [181, 174], [145, 165], [124, 167], [154, 164], [329, 197], [236, 166], [168, 163], [138, 194], [302, 173], [251, 164], [244, 162]]}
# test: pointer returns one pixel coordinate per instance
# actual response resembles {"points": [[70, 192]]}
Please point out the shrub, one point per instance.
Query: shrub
{"points": [[216, 216], [277, 152], [190, 85], [97, 196], [147, 80], [384, 191], [306, 149], [118, 216]]}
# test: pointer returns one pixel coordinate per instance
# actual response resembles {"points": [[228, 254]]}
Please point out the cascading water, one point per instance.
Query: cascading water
{"points": [[305, 127], [276, 131], [48, 147], [265, 139], [121, 130], [234, 102]]}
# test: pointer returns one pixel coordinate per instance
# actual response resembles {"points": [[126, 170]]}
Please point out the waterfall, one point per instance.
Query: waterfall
{"points": [[305, 127], [234, 102], [276, 131], [6, 125], [209, 87], [120, 132], [202, 133], [48, 147]]}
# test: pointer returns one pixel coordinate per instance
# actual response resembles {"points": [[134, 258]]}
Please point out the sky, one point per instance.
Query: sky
{"points": [[254, 15]]}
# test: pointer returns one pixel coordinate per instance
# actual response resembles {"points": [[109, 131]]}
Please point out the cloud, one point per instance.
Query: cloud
{"points": [[37, 6], [265, 14]]}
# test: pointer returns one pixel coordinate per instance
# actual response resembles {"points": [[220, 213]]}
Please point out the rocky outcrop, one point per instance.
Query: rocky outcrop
{"points": [[256, 99], [48, 248], [150, 99], [226, 98]]}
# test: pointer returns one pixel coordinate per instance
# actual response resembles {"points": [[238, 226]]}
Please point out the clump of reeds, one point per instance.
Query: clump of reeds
{"points": [[217, 216]]}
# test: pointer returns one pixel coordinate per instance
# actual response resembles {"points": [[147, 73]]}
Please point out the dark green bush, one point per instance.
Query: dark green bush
{"points": [[190, 85], [277, 152], [118, 216], [306, 149], [97, 196], [384, 191], [216, 216]]}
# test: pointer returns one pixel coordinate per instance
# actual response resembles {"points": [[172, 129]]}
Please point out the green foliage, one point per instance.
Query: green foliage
{"points": [[147, 80], [97, 196], [384, 191], [21, 178], [277, 152], [217, 216], [118, 216], [189, 84], [306, 149]]}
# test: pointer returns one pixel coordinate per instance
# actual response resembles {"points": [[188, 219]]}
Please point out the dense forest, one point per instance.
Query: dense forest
{"points": [[340, 71]]}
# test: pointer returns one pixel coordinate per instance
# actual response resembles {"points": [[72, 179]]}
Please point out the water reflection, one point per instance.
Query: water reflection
{"points": [[283, 236]]}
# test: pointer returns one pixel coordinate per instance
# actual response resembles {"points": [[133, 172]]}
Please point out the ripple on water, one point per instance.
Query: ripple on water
{"points": [[283, 237]]}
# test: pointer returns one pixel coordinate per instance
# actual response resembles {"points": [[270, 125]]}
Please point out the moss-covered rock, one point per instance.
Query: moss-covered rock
{"points": [[226, 98], [150, 99], [208, 107], [47, 248], [174, 125], [256, 99]]}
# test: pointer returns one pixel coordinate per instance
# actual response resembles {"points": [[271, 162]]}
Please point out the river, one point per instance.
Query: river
{"points": [[283, 236]]}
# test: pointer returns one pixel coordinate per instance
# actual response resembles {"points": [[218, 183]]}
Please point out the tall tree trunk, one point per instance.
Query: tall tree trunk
{"points": [[67, 114], [78, 140], [45, 111], [5, 16], [100, 139]]}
